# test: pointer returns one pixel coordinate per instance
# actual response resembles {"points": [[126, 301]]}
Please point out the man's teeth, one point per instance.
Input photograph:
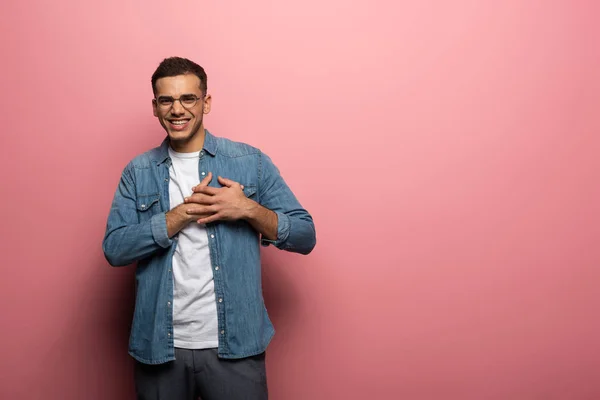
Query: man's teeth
{"points": [[178, 122]]}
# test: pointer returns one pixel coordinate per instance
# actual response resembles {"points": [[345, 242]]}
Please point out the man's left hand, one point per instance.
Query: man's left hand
{"points": [[228, 203]]}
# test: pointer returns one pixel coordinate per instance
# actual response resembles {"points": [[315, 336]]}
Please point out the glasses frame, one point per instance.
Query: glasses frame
{"points": [[162, 107]]}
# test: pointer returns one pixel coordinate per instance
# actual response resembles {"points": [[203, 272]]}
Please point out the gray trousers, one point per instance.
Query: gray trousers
{"points": [[200, 373]]}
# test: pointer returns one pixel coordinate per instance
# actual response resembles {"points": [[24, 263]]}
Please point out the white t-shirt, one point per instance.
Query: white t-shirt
{"points": [[195, 324]]}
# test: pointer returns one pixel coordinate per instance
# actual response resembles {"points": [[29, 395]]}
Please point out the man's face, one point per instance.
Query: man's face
{"points": [[182, 119]]}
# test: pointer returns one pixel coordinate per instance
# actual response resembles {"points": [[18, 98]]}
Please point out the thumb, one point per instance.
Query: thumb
{"points": [[228, 182]]}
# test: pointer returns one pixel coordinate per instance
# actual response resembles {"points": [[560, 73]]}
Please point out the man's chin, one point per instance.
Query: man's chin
{"points": [[179, 137], [184, 136]]}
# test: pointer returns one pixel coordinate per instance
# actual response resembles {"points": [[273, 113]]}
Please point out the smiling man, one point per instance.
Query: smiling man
{"points": [[193, 214]]}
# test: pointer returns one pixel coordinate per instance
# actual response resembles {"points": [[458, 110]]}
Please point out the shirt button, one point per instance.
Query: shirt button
{"points": [[203, 173], [166, 179], [220, 300], [222, 332], [212, 236], [169, 334], [216, 268], [168, 303]]}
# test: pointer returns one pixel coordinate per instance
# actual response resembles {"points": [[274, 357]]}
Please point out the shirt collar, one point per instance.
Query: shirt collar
{"points": [[210, 146]]}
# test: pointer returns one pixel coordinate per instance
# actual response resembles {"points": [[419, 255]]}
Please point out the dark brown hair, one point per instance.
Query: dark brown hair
{"points": [[174, 66]]}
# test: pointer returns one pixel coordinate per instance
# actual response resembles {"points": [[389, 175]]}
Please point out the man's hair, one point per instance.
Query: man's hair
{"points": [[174, 66]]}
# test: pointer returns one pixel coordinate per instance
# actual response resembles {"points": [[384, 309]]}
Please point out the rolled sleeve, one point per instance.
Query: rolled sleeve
{"points": [[283, 231], [295, 226], [159, 230], [126, 239]]}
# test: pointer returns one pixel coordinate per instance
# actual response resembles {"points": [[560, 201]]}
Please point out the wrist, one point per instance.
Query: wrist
{"points": [[178, 214], [249, 209]]}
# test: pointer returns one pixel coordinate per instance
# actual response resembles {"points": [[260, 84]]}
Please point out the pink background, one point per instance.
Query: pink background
{"points": [[447, 150]]}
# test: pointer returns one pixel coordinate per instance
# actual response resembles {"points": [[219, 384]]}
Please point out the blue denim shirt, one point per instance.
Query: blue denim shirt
{"points": [[136, 231]]}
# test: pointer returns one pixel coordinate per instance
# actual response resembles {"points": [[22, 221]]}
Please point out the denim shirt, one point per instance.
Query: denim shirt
{"points": [[136, 231]]}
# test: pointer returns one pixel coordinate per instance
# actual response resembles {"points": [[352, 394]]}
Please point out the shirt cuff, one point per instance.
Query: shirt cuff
{"points": [[283, 231], [159, 230]]}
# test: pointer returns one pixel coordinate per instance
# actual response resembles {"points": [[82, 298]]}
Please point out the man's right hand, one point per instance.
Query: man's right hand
{"points": [[178, 218]]}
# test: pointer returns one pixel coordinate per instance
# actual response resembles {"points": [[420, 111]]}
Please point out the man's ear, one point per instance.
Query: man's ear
{"points": [[207, 104], [154, 108]]}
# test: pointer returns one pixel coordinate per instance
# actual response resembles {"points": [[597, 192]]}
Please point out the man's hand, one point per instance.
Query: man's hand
{"points": [[228, 203], [178, 218]]}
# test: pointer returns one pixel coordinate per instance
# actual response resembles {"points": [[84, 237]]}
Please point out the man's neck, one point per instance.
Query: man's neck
{"points": [[196, 143]]}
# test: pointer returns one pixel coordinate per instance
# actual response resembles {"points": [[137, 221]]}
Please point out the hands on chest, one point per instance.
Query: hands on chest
{"points": [[209, 204], [227, 203]]}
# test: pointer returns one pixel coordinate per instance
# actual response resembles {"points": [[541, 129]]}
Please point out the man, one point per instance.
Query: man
{"points": [[193, 213]]}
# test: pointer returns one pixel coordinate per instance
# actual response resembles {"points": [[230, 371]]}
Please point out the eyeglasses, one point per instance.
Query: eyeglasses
{"points": [[186, 100]]}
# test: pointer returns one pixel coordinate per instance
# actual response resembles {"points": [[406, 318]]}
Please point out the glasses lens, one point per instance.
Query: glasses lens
{"points": [[188, 100], [164, 101]]}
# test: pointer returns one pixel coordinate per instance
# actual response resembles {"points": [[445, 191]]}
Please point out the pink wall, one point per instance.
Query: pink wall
{"points": [[448, 152]]}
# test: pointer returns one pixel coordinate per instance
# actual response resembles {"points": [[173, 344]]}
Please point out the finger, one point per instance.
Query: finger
{"points": [[199, 216], [211, 191], [200, 198], [205, 181], [208, 220], [201, 210], [227, 182]]}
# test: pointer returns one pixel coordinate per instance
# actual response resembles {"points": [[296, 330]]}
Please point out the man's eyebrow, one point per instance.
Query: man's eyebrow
{"points": [[183, 94]]}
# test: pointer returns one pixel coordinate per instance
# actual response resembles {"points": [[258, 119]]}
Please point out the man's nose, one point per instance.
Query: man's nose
{"points": [[177, 107]]}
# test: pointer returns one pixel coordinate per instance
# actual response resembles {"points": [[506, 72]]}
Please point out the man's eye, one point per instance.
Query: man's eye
{"points": [[165, 101], [188, 98]]}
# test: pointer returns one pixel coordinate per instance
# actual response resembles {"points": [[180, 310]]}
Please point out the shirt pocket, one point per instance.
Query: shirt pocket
{"points": [[250, 191], [147, 206]]}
